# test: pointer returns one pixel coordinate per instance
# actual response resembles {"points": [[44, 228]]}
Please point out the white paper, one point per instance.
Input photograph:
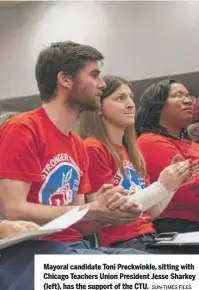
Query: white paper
{"points": [[63, 221], [185, 238], [52, 227]]}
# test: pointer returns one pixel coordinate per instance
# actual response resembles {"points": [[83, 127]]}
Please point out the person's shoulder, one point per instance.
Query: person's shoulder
{"points": [[92, 142], [150, 137], [96, 147], [25, 119], [155, 141], [23, 126], [77, 142]]}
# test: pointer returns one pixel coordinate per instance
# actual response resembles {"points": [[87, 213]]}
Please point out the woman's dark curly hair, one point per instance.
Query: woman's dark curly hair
{"points": [[150, 106]]}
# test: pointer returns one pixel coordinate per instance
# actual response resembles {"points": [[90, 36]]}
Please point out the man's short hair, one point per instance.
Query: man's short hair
{"points": [[68, 57]]}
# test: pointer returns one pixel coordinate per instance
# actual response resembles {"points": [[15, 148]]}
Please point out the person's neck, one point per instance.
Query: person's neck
{"points": [[115, 133], [63, 117], [171, 129]]}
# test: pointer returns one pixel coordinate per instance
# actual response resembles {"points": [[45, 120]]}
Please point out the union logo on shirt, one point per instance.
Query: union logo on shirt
{"points": [[61, 185], [131, 182]]}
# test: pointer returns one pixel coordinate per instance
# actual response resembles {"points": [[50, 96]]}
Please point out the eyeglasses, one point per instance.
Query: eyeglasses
{"points": [[181, 96]]}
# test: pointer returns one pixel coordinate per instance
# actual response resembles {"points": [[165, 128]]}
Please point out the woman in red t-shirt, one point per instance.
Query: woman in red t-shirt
{"points": [[163, 113], [114, 158]]}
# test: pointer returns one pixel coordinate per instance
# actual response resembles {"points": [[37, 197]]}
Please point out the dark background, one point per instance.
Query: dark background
{"points": [[190, 80]]}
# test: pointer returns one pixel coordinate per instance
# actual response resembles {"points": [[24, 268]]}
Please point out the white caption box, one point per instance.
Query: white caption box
{"points": [[104, 272]]}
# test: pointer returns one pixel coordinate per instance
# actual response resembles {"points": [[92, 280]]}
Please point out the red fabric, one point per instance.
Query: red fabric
{"points": [[33, 149], [103, 169], [158, 152]]}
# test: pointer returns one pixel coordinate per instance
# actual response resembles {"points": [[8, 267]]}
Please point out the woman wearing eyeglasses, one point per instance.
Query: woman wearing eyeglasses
{"points": [[164, 111], [114, 158]]}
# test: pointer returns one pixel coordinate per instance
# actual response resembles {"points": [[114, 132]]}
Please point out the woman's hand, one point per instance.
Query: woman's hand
{"points": [[194, 168], [176, 174]]}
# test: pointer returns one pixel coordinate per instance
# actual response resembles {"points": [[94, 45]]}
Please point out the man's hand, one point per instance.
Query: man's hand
{"points": [[12, 228], [114, 208]]}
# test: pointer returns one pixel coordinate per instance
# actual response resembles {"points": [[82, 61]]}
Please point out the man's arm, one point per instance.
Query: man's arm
{"points": [[14, 205], [90, 197]]}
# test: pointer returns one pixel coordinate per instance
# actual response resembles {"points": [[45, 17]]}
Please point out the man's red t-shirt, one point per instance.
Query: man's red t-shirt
{"points": [[158, 152], [103, 169], [33, 149]]}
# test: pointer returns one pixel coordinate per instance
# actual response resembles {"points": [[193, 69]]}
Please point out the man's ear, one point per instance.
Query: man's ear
{"points": [[64, 80]]}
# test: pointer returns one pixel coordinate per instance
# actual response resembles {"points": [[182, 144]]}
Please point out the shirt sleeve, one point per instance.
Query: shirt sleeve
{"points": [[19, 157], [99, 168]]}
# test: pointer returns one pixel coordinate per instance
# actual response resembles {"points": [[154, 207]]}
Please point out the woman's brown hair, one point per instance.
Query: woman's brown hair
{"points": [[91, 125]]}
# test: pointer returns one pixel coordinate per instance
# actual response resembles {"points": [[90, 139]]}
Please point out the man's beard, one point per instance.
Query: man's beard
{"points": [[78, 103]]}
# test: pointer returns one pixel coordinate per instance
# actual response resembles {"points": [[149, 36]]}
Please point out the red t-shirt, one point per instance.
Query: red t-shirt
{"points": [[33, 149], [158, 152], [103, 169]]}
